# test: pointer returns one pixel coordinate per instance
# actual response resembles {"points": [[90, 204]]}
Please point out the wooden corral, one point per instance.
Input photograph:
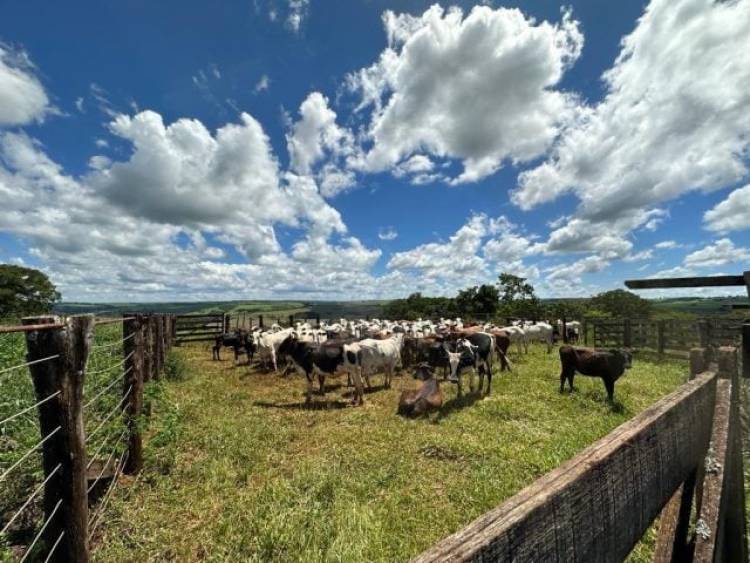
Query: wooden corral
{"points": [[597, 506]]}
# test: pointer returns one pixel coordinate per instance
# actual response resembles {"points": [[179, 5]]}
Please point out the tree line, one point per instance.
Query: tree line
{"points": [[514, 297]]}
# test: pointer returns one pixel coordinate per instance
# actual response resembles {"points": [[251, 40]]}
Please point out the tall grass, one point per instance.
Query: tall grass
{"points": [[239, 470]]}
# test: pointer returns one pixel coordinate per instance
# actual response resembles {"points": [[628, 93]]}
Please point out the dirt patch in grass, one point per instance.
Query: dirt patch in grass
{"points": [[253, 475]]}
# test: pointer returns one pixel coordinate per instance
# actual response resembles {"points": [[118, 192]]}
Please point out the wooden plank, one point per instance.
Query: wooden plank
{"points": [[705, 281], [596, 506], [202, 339]]}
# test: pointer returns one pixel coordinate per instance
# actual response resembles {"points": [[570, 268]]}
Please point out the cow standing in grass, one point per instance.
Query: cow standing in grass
{"points": [[240, 341], [311, 359], [608, 365]]}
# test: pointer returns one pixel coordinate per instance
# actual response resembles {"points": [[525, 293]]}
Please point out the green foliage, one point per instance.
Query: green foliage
{"points": [[621, 303], [518, 299], [174, 367], [25, 291]]}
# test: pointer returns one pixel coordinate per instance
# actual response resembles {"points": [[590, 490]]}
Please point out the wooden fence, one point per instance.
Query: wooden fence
{"points": [[680, 455], [198, 327], [88, 379], [662, 336]]}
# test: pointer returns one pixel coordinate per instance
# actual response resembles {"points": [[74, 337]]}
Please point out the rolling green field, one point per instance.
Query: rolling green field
{"points": [[239, 470]]}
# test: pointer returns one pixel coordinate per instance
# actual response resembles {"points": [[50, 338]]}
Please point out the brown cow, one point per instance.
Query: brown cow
{"points": [[609, 365], [427, 398]]}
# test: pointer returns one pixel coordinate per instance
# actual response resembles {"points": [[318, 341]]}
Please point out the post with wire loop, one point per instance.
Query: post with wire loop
{"points": [[65, 496], [132, 332]]}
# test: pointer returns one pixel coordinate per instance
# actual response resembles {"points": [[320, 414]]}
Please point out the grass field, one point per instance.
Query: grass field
{"points": [[238, 470]]}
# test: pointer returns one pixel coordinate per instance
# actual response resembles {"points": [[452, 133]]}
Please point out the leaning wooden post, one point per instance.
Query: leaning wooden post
{"points": [[132, 332], [61, 419]]}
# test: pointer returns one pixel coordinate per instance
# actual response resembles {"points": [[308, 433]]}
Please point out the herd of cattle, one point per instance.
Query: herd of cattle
{"points": [[363, 348]]}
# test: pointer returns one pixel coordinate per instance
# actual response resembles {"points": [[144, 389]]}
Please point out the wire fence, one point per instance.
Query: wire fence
{"points": [[37, 389]]}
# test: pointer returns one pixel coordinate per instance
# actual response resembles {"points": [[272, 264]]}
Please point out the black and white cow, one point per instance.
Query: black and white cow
{"points": [[312, 359], [475, 349], [240, 341]]}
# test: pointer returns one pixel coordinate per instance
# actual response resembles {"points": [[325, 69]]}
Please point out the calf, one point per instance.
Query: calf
{"points": [[609, 365], [312, 359], [476, 352], [239, 341], [427, 398]]}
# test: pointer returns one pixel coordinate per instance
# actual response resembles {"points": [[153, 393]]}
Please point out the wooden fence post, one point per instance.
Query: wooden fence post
{"points": [[721, 527], [147, 359], [65, 495], [746, 349], [260, 321], [674, 520], [627, 338], [703, 333], [660, 344], [291, 320], [133, 349], [227, 320]]}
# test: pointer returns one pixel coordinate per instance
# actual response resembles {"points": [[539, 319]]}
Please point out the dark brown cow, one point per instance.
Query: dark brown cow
{"points": [[427, 398], [609, 365]]}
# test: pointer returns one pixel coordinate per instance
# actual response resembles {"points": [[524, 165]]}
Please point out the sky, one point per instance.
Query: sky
{"points": [[345, 149]]}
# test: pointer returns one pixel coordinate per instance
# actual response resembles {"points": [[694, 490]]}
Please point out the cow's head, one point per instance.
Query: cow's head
{"points": [[624, 358], [424, 372]]}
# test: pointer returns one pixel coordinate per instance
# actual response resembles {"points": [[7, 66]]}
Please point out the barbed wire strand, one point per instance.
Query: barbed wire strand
{"points": [[111, 413], [28, 453], [114, 380], [54, 546], [117, 365], [27, 364], [100, 448], [32, 496], [27, 409], [41, 531], [104, 467], [121, 341], [97, 517]]}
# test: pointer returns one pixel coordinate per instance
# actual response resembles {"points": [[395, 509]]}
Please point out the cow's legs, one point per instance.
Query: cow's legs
{"points": [[359, 391], [308, 376], [566, 374], [322, 382], [215, 353], [609, 385]]}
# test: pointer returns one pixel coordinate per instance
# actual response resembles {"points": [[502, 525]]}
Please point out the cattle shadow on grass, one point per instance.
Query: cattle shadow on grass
{"points": [[616, 406], [303, 406], [458, 403], [373, 389]]}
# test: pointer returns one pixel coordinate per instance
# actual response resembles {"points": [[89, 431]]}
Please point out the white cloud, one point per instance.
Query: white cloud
{"points": [[732, 214], [720, 253], [666, 244], [572, 273], [674, 118], [639, 256], [387, 233], [22, 97], [80, 104], [316, 137], [479, 88], [101, 143], [264, 82], [298, 11]]}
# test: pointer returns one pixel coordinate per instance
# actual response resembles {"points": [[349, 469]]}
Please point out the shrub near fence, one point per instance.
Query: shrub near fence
{"points": [[70, 430]]}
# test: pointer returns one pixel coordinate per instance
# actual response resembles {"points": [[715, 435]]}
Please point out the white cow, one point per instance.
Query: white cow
{"points": [[540, 332], [370, 356], [517, 335], [268, 345]]}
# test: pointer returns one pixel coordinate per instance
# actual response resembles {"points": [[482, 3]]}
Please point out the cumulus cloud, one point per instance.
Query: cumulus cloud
{"points": [[478, 88], [298, 10], [23, 99], [387, 233], [672, 120], [732, 214], [474, 254], [264, 82], [315, 137], [720, 253]]}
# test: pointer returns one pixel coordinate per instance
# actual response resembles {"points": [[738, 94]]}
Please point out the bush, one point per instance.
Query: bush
{"points": [[175, 368]]}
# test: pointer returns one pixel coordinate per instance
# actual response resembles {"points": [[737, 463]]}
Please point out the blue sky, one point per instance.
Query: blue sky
{"points": [[345, 149]]}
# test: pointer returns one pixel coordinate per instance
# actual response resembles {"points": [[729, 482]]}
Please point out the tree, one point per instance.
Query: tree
{"points": [[478, 301], [621, 303], [518, 298], [25, 291]]}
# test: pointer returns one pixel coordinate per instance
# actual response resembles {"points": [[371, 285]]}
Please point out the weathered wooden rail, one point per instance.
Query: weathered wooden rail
{"points": [[598, 505], [200, 327]]}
